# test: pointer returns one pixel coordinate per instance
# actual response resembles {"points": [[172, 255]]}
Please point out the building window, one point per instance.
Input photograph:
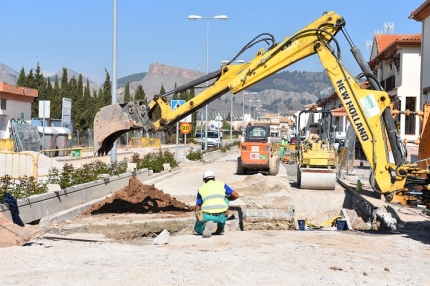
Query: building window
{"points": [[3, 104]]}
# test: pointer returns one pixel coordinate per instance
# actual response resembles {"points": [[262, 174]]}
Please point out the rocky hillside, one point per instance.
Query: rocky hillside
{"points": [[161, 74], [8, 75]]}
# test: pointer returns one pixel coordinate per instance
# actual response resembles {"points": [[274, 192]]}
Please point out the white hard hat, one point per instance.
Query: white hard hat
{"points": [[208, 175]]}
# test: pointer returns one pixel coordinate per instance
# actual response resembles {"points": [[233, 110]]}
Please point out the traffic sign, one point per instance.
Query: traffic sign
{"points": [[177, 103], [185, 128]]}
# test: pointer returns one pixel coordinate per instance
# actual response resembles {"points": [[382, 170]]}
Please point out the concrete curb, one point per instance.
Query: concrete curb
{"points": [[72, 212]]}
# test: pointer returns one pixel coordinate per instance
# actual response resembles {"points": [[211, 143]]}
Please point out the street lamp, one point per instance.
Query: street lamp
{"points": [[193, 18], [231, 102]]}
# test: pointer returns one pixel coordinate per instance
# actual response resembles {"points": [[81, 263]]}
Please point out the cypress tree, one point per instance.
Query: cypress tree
{"points": [[139, 94], [156, 114], [107, 90], [127, 92], [88, 105], [56, 99], [22, 79]]}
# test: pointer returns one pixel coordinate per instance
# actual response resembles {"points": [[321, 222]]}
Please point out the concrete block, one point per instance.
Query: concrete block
{"points": [[162, 238], [104, 176], [131, 167], [53, 188], [167, 167]]}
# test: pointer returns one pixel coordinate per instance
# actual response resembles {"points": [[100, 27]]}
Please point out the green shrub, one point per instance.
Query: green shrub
{"points": [[71, 176]]}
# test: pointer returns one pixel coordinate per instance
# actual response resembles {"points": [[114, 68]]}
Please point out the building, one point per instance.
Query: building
{"points": [[422, 14], [15, 105], [395, 61]]}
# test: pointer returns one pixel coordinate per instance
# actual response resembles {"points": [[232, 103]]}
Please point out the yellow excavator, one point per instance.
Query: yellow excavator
{"points": [[368, 110]]}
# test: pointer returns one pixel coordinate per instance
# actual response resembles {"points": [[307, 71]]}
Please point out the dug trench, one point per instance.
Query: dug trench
{"points": [[140, 211]]}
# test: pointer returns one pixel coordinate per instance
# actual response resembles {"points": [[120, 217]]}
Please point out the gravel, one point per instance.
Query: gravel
{"points": [[236, 258]]}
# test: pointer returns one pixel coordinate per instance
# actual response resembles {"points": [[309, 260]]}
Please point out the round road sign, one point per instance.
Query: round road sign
{"points": [[185, 127]]}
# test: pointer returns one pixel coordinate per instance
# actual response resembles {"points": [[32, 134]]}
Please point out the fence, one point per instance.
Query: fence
{"points": [[40, 164], [85, 138]]}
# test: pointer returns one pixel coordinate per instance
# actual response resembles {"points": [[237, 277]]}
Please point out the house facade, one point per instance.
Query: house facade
{"points": [[422, 14], [15, 104], [396, 63]]}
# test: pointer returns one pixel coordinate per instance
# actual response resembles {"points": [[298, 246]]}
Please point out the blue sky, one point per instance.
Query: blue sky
{"points": [[78, 34]]}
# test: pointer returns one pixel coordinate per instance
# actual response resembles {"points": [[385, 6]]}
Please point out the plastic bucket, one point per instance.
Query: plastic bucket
{"points": [[341, 224], [301, 223]]}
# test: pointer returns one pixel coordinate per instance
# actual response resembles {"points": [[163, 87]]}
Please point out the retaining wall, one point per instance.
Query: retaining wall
{"points": [[36, 207]]}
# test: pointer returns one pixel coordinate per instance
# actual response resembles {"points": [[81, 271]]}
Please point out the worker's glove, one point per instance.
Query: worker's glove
{"points": [[199, 215]]}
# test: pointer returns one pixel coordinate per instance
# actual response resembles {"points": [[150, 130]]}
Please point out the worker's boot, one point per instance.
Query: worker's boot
{"points": [[219, 230], [207, 232]]}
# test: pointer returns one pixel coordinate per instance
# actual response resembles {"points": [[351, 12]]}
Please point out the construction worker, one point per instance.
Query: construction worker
{"points": [[212, 203], [283, 147]]}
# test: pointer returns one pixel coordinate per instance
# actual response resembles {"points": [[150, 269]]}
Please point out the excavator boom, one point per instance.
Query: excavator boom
{"points": [[111, 121]]}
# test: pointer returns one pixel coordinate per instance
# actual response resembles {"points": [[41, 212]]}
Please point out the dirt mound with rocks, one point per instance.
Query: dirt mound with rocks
{"points": [[139, 198]]}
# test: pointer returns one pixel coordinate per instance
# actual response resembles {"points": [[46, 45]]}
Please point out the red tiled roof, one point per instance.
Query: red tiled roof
{"points": [[339, 111], [422, 12], [385, 40]]}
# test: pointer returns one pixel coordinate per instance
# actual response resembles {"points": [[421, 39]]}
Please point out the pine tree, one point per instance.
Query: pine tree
{"points": [[31, 80], [156, 114], [107, 90], [100, 99], [39, 83], [64, 91], [88, 105], [127, 92], [22, 79], [139, 94], [56, 99]]}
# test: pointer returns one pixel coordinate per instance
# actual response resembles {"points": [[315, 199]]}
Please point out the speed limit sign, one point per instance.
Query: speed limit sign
{"points": [[185, 127]]}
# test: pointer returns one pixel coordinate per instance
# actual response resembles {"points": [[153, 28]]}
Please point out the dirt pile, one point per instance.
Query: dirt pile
{"points": [[139, 198]]}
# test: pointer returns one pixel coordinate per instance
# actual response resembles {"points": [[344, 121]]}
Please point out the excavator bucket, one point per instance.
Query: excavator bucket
{"points": [[114, 120]]}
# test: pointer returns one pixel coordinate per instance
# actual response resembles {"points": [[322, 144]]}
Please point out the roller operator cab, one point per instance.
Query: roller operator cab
{"points": [[257, 152]]}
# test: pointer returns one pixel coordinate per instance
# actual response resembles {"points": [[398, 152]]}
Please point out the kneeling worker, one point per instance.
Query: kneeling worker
{"points": [[212, 203]]}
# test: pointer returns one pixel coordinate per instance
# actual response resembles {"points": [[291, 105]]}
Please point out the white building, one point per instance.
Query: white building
{"points": [[396, 62], [422, 14], [15, 104]]}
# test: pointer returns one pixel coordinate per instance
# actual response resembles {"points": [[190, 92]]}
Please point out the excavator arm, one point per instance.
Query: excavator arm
{"points": [[368, 109], [114, 120]]}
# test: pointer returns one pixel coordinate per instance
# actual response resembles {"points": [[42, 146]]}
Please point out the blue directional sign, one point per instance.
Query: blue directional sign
{"points": [[176, 103]]}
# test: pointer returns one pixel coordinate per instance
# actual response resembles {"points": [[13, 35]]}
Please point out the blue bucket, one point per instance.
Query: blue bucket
{"points": [[341, 224], [301, 223]]}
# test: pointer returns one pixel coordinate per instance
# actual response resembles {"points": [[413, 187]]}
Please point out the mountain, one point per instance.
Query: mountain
{"points": [[130, 78], [168, 76], [8, 75], [283, 92]]}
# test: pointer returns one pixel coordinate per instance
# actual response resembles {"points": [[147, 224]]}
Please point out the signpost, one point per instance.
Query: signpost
{"points": [[175, 103], [66, 111], [185, 128], [44, 112]]}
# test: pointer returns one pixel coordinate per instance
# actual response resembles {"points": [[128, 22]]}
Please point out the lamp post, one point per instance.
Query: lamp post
{"points": [[231, 103], [193, 18], [243, 110]]}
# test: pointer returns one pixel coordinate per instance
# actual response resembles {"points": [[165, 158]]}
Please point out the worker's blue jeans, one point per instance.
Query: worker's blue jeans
{"points": [[220, 220], [282, 152]]}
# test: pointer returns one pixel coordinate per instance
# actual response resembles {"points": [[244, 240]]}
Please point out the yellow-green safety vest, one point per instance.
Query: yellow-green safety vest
{"points": [[213, 196]]}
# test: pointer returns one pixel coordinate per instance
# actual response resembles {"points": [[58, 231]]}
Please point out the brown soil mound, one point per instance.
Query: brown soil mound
{"points": [[138, 198]]}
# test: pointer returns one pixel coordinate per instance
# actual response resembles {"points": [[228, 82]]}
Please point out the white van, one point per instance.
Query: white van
{"points": [[214, 138]]}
